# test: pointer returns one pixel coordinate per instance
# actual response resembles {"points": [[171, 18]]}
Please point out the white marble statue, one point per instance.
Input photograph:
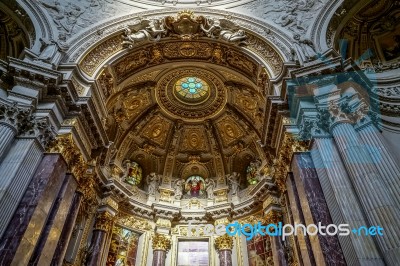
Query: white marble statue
{"points": [[146, 30], [178, 187], [210, 185], [153, 181], [233, 180], [224, 30]]}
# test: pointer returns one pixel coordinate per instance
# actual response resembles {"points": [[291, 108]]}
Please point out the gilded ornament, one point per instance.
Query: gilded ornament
{"points": [[161, 242], [104, 221], [273, 217], [65, 145], [224, 242]]}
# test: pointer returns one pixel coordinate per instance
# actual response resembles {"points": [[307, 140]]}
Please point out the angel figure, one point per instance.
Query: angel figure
{"points": [[210, 185], [233, 180], [152, 181], [178, 186], [225, 30], [146, 30]]}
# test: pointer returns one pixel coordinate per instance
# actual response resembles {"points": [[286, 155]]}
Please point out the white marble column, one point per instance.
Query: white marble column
{"points": [[7, 134], [17, 169], [343, 203], [385, 163], [373, 193]]}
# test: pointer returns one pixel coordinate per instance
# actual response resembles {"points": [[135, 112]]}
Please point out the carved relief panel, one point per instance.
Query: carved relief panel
{"points": [[194, 139], [229, 130], [157, 130]]}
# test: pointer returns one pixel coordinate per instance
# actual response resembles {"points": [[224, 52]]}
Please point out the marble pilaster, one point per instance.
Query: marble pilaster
{"points": [[23, 231], [160, 244], [224, 245], [66, 233], [49, 237], [374, 195], [278, 252], [343, 203], [386, 164], [103, 225], [306, 252], [17, 169], [326, 248]]}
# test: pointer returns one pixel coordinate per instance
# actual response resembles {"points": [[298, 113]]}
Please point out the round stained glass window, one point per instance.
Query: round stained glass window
{"points": [[191, 88]]}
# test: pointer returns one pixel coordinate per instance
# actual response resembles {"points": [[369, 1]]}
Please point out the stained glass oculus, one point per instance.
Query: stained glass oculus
{"points": [[192, 88]]}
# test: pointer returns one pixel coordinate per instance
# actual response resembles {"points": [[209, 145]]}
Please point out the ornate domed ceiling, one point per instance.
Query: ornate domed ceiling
{"points": [[177, 120]]}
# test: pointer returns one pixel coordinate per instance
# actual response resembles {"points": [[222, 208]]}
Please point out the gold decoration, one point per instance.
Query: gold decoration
{"points": [[134, 103], [157, 130], [224, 242], [194, 139], [221, 195], [134, 222], [100, 53], [163, 222], [104, 221], [281, 164], [161, 242], [166, 194], [273, 217], [229, 130], [65, 145]]}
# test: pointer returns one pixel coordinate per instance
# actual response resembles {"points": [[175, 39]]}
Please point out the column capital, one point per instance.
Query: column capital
{"points": [[161, 242], [273, 216], [65, 145], [224, 242], [104, 221]]}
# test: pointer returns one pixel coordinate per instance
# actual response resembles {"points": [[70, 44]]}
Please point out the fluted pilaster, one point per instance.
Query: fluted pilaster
{"points": [[386, 164], [343, 203], [17, 169], [7, 134], [373, 192]]}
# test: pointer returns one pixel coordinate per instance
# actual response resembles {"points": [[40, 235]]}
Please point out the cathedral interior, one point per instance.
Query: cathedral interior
{"points": [[125, 124]]}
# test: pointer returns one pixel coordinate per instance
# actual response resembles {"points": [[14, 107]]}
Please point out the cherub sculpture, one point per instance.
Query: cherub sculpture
{"points": [[146, 30], [224, 30]]}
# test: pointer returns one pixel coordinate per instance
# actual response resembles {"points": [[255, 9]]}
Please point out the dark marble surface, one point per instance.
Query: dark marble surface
{"points": [[291, 185], [96, 248], [67, 230], [303, 168], [225, 257], [24, 229], [159, 257]]}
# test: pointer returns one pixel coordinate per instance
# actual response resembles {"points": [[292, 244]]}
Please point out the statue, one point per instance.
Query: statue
{"points": [[146, 30], [153, 181], [225, 30], [210, 185], [178, 186], [305, 49], [233, 180]]}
